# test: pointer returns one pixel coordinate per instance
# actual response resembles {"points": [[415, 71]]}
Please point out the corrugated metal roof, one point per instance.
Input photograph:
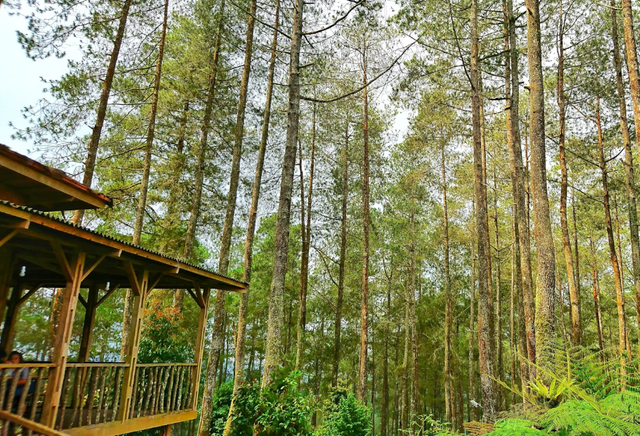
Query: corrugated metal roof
{"points": [[121, 241]]}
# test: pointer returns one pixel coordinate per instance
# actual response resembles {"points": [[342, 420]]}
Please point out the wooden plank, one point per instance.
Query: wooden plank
{"points": [[89, 270], [6, 272], [62, 340], [131, 356], [89, 322], [8, 237], [131, 425], [202, 327], [10, 319], [28, 424]]}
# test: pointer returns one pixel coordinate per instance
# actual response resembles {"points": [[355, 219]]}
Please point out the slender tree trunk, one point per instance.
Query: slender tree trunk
{"points": [[384, 412], [92, 152], [498, 297], [196, 201], [485, 339], [628, 163], [596, 299], [273, 356], [472, 315], [144, 184], [364, 317], [526, 300], [448, 317], [574, 294], [546, 286], [306, 243], [415, 387], [515, 281], [343, 254], [622, 323], [251, 227], [406, 416]]}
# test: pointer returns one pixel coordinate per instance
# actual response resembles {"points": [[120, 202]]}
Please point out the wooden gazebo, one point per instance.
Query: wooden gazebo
{"points": [[39, 250]]}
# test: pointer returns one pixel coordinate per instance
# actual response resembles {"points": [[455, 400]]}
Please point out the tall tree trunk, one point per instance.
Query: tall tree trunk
{"points": [[384, 412], [92, 152], [217, 336], [622, 323], [515, 280], [448, 317], [596, 298], [306, 243], [546, 286], [525, 287], [414, 327], [343, 255], [574, 294], [273, 356], [406, 416], [498, 297], [196, 201], [472, 315], [485, 339], [364, 316], [251, 226], [144, 184], [628, 163]]}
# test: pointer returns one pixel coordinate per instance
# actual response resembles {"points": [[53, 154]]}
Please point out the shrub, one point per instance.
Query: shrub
{"points": [[345, 416]]}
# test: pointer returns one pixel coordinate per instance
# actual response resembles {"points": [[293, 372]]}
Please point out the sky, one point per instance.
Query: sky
{"points": [[20, 79]]}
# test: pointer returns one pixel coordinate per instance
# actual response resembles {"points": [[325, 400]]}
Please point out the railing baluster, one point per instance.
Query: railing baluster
{"points": [[22, 405], [92, 393], [117, 389], [102, 373], [36, 395], [3, 388], [170, 391], [176, 400], [65, 394]]}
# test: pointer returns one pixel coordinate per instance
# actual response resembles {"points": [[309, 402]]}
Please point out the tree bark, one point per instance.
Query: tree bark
{"points": [[525, 286], [546, 286], [448, 317], [196, 201], [628, 163], [617, 279], [92, 152], [414, 327], [596, 299], [485, 339], [306, 242], [472, 315], [343, 255], [364, 316], [144, 184], [574, 294], [384, 412], [273, 357]]}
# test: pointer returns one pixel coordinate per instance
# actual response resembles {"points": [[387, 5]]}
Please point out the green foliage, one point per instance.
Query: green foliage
{"points": [[518, 427], [280, 409], [221, 403], [164, 338], [345, 415]]}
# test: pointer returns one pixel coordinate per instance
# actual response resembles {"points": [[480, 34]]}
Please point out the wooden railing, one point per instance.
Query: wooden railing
{"points": [[91, 394], [16, 425], [162, 388], [23, 389]]}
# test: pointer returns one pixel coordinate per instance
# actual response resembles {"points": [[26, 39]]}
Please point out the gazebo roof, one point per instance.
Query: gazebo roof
{"points": [[28, 182], [36, 239]]}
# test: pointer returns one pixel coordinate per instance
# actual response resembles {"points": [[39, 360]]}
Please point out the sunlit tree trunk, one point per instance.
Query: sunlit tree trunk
{"points": [[92, 152], [448, 317], [273, 355], [364, 316], [343, 255], [622, 323], [629, 178], [306, 243], [546, 286], [485, 339], [251, 228], [574, 293]]}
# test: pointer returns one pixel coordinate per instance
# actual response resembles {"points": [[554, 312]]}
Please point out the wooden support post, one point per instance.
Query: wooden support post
{"points": [[139, 289], [6, 273], [167, 431], [89, 321], [73, 272], [10, 320], [202, 327]]}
